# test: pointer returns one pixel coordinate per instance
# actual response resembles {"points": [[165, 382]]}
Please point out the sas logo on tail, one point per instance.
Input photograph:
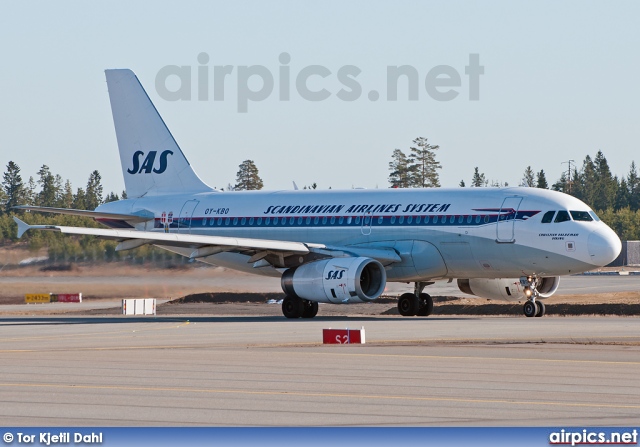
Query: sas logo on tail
{"points": [[148, 163], [335, 274]]}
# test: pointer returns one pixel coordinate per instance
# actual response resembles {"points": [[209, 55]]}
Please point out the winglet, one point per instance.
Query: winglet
{"points": [[23, 227]]}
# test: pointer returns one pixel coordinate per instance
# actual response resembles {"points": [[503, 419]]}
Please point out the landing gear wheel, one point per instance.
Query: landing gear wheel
{"points": [[292, 307], [408, 305], [541, 309], [310, 309], [530, 309], [426, 305]]}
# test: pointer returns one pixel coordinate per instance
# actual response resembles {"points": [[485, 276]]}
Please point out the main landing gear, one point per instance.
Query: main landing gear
{"points": [[417, 303], [294, 307], [532, 308]]}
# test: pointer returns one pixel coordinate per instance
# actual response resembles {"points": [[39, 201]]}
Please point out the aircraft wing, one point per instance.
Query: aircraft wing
{"points": [[263, 252]]}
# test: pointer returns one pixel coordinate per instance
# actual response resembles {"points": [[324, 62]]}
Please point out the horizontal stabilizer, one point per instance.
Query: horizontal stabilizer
{"points": [[140, 216]]}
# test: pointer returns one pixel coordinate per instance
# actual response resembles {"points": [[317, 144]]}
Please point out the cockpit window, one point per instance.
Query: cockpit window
{"points": [[548, 217], [562, 216], [581, 216], [595, 216]]}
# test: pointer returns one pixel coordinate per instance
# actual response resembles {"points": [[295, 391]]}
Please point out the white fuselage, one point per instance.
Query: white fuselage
{"points": [[438, 233]]}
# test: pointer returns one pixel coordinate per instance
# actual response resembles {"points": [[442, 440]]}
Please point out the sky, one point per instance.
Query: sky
{"points": [[559, 81]]}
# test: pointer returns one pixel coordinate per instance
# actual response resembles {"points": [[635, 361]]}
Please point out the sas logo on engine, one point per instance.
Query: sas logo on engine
{"points": [[335, 274], [148, 164]]}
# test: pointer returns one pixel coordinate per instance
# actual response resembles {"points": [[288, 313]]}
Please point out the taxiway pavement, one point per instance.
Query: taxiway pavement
{"points": [[489, 371]]}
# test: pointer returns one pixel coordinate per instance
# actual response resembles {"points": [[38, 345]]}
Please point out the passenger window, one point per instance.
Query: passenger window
{"points": [[251, 221], [243, 221], [341, 220], [401, 219], [548, 217], [418, 219], [562, 216], [333, 220], [380, 220], [581, 216]]}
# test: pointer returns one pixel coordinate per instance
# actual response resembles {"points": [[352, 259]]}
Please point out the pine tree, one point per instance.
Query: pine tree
{"points": [[247, 178], [478, 179], [461, 184], [561, 185], [528, 179], [111, 197], [14, 189], [604, 194], [93, 195], [399, 167], [48, 193], [59, 187], [424, 166], [633, 185], [542, 180], [79, 200], [31, 196], [622, 194], [583, 184]]}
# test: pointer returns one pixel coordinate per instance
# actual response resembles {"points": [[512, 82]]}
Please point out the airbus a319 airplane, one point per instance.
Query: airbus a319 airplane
{"points": [[342, 246]]}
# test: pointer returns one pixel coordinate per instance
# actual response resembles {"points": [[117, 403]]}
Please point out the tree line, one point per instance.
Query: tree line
{"points": [[615, 199], [50, 190]]}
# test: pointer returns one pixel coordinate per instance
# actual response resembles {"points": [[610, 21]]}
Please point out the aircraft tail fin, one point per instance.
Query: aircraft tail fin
{"points": [[152, 162]]}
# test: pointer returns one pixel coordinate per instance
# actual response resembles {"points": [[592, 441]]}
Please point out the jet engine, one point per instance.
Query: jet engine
{"points": [[336, 280], [507, 289]]}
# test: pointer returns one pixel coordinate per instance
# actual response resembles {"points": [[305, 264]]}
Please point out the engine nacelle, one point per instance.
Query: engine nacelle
{"points": [[336, 280], [507, 289]]}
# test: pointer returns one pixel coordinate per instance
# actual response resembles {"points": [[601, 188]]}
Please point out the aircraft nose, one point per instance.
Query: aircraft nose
{"points": [[604, 246]]}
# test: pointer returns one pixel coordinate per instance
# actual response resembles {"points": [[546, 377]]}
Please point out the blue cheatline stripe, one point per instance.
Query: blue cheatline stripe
{"points": [[467, 220]]}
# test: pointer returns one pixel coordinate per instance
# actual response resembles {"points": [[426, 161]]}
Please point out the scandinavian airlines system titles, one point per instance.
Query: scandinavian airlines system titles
{"points": [[355, 209]]}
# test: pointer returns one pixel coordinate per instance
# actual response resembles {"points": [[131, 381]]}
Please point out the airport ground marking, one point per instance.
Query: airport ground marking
{"points": [[308, 394]]}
